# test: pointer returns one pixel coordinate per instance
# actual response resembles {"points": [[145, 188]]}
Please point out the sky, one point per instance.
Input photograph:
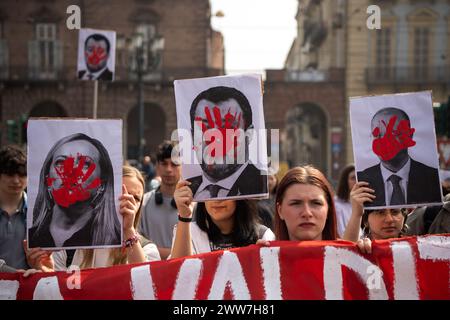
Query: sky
{"points": [[257, 33]]}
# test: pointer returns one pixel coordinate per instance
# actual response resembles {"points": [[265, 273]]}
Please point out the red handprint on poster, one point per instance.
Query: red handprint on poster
{"points": [[73, 179], [96, 55], [394, 140], [231, 122]]}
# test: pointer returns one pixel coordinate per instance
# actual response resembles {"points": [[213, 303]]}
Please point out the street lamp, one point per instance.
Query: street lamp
{"points": [[142, 49]]}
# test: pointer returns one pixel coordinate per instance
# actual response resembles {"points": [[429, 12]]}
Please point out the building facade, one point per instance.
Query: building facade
{"points": [[38, 57], [306, 100], [411, 51], [336, 56]]}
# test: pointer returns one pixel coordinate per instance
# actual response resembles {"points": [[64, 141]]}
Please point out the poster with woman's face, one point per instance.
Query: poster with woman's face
{"points": [[394, 144], [74, 183]]}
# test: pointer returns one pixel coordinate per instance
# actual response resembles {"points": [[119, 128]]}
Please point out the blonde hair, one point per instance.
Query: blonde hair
{"points": [[118, 256]]}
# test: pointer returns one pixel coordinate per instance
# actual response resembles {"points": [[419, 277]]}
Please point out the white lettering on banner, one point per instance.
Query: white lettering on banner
{"points": [[434, 247], [229, 274], [47, 289], [187, 280], [142, 283], [405, 282], [8, 289], [334, 259], [270, 265]]}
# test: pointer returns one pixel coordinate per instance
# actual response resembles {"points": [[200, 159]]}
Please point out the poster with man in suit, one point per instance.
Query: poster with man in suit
{"points": [[224, 118], [395, 150], [96, 54]]}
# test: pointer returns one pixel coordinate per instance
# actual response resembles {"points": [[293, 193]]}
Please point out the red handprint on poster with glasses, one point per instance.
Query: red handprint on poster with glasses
{"points": [[394, 140], [74, 184], [230, 125]]}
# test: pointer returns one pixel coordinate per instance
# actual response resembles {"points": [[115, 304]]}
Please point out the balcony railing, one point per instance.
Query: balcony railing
{"points": [[122, 74], [408, 75]]}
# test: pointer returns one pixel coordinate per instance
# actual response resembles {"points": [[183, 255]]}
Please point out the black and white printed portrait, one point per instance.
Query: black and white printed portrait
{"points": [[227, 169], [401, 139], [75, 204], [96, 55]]}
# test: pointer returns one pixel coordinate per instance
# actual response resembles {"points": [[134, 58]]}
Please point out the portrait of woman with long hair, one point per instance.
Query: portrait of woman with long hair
{"points": [[75, 204]]}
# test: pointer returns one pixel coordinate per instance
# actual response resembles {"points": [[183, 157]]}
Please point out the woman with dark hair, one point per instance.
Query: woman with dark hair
{"points": [[75, 202], [347, 180], [305, 206], [219, 225], [379, 224]]}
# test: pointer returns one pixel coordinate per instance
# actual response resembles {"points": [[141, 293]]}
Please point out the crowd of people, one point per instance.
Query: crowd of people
{"points": [[161, 221]]}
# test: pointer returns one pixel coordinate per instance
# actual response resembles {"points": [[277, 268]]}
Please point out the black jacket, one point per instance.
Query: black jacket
{"points": [[251, 181], [423, 184], [105, 75]]}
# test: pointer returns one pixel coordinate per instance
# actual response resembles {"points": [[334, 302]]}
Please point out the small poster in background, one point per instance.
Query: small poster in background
{"points": [[222, 136], [394, 145], [96, 54], [74, 183]]}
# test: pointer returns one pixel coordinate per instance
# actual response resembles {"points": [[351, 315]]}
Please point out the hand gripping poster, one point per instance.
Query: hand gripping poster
{"points": [[395, 150], [222, 136], [74, 183], [96, 54]]}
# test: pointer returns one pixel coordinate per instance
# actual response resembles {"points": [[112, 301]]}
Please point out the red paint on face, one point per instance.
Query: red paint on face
{"points": [[231, 122], [393, 141], [97, 55], [72, 188]]}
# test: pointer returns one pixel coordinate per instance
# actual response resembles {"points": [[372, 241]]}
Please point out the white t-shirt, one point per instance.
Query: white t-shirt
{"points": [[101, 258]]}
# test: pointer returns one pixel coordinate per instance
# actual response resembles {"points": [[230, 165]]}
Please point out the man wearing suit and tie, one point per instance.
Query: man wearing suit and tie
{"points": [[225, 107], [398, 179], [96, 55]]}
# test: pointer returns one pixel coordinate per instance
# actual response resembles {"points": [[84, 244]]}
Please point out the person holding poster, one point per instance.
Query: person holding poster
{"points": [[219, 224], [222, 124], [398, 178], [378, 224], [75, 204], [94, 55]]}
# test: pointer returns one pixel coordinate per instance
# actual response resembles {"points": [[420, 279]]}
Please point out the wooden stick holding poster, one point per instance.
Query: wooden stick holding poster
{"points": [[222, 136], [394, 144], [74, 183]]}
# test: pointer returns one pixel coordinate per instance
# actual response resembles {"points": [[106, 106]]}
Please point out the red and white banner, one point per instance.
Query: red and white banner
{"points": [[406, 268]]}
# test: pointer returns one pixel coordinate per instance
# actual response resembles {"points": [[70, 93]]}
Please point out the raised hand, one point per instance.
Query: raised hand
{"points": [[39, 259], [361, 193], [128, 208], [183, 198]]}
